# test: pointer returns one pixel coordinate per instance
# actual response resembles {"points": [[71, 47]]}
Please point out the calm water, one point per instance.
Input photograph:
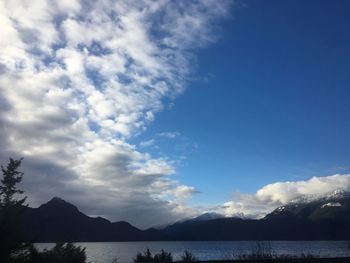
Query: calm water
{"points": [[105, 252]]}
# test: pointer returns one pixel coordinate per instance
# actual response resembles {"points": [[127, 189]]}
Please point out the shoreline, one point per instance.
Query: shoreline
{"points": [[287, 260]]}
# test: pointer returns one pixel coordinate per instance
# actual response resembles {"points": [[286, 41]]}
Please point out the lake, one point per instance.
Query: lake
{"points": [[105, 252]]}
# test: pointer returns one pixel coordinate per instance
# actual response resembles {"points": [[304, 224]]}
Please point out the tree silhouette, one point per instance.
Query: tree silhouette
{"points": [[188, 256], [11, 206]]}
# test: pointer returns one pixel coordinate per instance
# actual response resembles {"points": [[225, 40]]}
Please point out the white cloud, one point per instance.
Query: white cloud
{"points": [[147, 143], [273, 195], [183, 192], [78, 79], [169, 135]]}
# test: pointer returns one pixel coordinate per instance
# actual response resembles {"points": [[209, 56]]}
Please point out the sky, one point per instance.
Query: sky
{"points": [[154, 111]]}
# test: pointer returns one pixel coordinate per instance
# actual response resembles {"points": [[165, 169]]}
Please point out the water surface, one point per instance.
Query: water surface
{"points": [[106, 252]]}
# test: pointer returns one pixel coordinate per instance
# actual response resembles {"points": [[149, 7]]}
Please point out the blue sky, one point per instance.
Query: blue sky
{"points": [[155, 111], [271, 102]]}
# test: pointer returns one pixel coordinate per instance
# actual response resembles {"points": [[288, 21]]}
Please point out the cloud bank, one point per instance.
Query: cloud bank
{"points": [[78, 79], [277, 194]]}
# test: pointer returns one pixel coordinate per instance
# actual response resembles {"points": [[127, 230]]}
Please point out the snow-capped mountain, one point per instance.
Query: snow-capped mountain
{"points": [[330, 205], [208, 216], [336, 194], [324, 217]]}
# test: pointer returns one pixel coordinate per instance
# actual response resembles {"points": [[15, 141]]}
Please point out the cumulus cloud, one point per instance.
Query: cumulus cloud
{"points": [[273, 195], [183, 192], [78, 79]]}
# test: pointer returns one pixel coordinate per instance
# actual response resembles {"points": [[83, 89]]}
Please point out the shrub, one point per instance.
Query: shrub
{"points": [[60, 253], [162, 257], [260, 250], [188, 257], [145, 257]]}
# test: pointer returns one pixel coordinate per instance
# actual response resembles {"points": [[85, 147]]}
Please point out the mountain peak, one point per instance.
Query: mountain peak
{"points": [[208, 216], [58, 220], [59, 203], [57, 199]]}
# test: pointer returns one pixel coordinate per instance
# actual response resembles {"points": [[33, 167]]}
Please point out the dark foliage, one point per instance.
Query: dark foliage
{"points": [[188, 257], [60, 253], [163, 256], [8, 187], [147, 257], [11, 209]]}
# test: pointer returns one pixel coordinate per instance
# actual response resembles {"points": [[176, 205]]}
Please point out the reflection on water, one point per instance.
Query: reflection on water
{"points": [[105, 252]]}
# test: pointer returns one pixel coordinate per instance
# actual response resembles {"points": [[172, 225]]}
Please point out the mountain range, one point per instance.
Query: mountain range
{"points": [[311, 218], [308, 218], [58, 220]]}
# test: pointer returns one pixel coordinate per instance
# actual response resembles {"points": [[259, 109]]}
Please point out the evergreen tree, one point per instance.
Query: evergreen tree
{"points": [[11, 207]]}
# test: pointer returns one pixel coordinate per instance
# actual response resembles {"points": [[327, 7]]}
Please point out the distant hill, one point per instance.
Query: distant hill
{"points": [[59, 220], [309, 218]]}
